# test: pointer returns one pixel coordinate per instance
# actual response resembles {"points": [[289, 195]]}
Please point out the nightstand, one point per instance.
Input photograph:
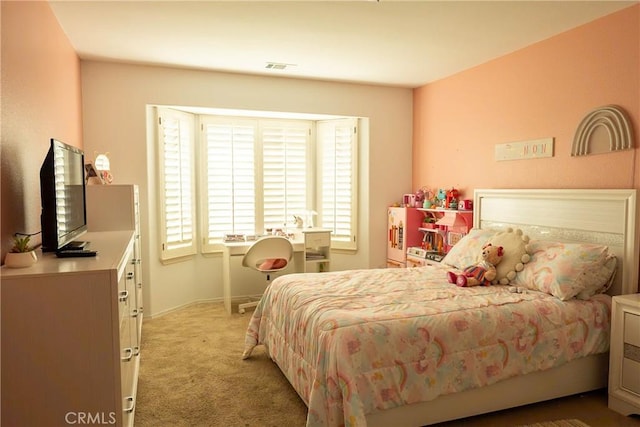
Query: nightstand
{"points": [[624, 356]]}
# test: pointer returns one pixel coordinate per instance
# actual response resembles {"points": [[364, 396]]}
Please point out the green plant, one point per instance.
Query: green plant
{"points": [[21, 244]]}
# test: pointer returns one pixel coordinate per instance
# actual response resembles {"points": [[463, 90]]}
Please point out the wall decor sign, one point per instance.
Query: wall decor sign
{"points": [[530, 149]]}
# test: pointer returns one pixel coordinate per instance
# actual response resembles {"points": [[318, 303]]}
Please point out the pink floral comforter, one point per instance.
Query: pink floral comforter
{"points": [[354, 342]]}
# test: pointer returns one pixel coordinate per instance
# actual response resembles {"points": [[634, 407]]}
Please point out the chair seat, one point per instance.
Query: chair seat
{"points": [[267, 255], [272, 264]]}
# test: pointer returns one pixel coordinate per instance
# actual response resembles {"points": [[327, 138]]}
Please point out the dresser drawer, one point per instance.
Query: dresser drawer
{"points": [[631, 375], [632, 329], [631, 353]]}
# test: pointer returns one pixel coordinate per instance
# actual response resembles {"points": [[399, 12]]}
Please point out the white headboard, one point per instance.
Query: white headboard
{"points": [[608, 217]]}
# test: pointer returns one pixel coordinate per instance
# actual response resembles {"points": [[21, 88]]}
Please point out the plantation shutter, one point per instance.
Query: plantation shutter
{"points": [[229, 167], [254, 174], [337, 141], [284, 171], [177, 183]]}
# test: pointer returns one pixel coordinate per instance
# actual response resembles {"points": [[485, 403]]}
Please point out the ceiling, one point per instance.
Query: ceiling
{"points": [[390, 42]]}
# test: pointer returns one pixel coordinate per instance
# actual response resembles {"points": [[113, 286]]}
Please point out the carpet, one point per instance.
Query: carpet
{"points": [[559, 423], [192, 375]]}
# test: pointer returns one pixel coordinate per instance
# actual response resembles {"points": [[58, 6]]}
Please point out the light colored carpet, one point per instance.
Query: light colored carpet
{"points": [[191, 374], [559, 423]]}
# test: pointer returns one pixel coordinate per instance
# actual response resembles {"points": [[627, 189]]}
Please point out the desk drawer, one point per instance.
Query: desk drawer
{"points": [[316, 240]]}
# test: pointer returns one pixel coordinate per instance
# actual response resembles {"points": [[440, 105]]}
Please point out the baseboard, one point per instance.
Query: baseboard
{"points": [[234, 302], [178, 307]]}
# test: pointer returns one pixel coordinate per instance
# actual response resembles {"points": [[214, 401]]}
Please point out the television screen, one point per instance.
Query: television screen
{"points": [[62, 192]]}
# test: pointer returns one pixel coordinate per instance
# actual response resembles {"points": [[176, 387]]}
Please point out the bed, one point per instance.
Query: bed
{"points": [[405, 347]]}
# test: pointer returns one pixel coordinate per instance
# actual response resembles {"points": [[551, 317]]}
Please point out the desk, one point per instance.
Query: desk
{"points": [[243, 282]]}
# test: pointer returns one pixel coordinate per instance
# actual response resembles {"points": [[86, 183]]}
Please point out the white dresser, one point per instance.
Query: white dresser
{"points": [[113, 208], [70, 349], [624, 364]]}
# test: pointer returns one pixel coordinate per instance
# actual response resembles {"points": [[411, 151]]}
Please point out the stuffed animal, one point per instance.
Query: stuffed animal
{"points": [[482, 273]]}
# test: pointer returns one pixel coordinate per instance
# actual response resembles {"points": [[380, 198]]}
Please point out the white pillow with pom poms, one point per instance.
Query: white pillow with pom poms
{"points": [[516, 254]]}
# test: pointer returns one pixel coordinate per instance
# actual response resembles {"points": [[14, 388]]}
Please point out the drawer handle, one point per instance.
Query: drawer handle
{"points": [[134, 313], [129, 404], [130, 275], [128, 354], [123, 296], [136, 351]]}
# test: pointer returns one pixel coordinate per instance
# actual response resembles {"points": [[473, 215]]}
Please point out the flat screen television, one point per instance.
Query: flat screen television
{"points": [[62, 193]]}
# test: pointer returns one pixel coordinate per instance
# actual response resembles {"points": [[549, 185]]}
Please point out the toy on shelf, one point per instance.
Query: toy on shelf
{"points": [[451, 199], [429, 199], [441, 197], [465, 205], [421, 195], [409, 200]]}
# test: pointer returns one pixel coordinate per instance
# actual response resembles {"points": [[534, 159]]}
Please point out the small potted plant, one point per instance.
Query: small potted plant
{"points": [[22, 254]]}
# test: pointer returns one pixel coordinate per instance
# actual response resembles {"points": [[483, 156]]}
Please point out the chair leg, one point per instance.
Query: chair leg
{"points": [[243, 306]]}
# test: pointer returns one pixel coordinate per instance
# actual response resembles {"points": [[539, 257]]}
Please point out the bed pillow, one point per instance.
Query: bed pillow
{"points": [[566, 270], [468, 249], [599, 279], [516, 254]]}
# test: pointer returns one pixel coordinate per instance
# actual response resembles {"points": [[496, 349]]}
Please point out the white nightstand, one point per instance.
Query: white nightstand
{"points": [[624, 359]]}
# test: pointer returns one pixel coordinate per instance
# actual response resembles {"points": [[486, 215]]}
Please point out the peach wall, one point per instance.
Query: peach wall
{"points": [[41, 99], [540, 91]]}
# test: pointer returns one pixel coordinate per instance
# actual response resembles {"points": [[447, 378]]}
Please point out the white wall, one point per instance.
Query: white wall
{"points": [[115, 103]]}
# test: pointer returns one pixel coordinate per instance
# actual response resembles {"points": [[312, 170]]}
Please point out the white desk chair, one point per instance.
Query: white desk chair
{"points": [[267, 255]]}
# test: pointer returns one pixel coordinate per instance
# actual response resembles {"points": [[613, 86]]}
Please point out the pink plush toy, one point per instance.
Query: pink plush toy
{"points": [[482, 273]]}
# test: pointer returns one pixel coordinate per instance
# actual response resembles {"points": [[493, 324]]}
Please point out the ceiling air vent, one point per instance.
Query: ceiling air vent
{"points": [[278, 66]]}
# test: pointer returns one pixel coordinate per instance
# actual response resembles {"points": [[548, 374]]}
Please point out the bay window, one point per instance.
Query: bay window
{"points": [[253, 174]]}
